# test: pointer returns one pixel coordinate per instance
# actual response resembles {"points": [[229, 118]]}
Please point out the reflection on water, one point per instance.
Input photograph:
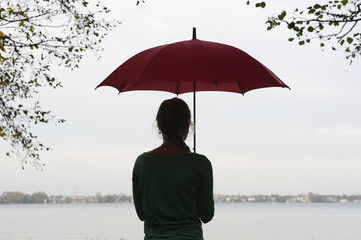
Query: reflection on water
{"points": [[241, 221]]}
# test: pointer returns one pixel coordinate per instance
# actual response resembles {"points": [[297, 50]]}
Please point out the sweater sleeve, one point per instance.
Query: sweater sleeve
{"points": [[205, 195], [136, 186]]}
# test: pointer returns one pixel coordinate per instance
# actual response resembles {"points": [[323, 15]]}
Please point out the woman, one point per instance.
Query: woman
{"points": [[172, 187]]}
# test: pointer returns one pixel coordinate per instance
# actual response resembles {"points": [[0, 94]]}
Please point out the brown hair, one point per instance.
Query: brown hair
{"points": [[173, 120]]}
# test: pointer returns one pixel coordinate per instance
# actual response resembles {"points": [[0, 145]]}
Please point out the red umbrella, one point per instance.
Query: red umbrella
{"points": [[190, 66]]}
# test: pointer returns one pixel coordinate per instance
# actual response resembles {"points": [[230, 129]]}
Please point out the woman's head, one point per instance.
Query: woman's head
{"points": [[173, 120]]}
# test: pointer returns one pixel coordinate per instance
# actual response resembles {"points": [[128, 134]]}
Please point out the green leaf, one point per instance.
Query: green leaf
{"points": [[85, 3], [310, 29], [344, 2], [317, 6], [349, 40], [282, 15], [291, 39], [301, 42], [322, 44], [2, 47], [311, 11], [291, 25]]}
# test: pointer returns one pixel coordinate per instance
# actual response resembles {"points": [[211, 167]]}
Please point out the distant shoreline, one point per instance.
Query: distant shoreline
{"points": [[43, 198]]}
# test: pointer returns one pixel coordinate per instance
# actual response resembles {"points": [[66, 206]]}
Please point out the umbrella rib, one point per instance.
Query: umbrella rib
{"points": [[151, 60], [178, 83], [210, 63], [240, 89]]}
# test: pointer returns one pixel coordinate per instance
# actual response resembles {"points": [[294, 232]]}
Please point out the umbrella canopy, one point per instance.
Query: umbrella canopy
{"points": [[176, 67], [190, 66]]}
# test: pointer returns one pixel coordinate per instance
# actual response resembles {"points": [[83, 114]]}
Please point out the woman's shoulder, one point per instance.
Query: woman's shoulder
{"points": [[200, 157], [197, 155], [141, 158]]}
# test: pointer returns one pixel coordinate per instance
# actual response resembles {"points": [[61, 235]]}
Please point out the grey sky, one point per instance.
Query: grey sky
{"points": [[269, 141]]}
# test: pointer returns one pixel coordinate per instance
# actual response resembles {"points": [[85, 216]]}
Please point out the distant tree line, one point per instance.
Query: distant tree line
{"points": [[114, 198], [21, 198], [314, 197], [310, 197], [41, 197]]}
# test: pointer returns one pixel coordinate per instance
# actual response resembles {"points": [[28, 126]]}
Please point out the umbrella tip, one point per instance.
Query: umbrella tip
{"points": [[194, 33]]}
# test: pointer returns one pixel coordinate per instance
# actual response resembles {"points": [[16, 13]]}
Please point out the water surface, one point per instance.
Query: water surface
{"points": [[237, 221]]}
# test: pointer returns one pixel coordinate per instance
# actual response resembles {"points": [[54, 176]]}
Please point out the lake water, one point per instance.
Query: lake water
{"points": [[238, 221]]}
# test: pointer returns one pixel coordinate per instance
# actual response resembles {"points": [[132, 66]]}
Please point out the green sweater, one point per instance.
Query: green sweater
{"points": [[173, 194]]}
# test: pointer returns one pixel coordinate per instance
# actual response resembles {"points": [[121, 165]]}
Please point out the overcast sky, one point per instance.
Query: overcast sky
{"points": [[271, 140]]}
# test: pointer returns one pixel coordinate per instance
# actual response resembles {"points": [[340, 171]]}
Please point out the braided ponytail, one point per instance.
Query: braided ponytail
{"points": [[173, 120]]}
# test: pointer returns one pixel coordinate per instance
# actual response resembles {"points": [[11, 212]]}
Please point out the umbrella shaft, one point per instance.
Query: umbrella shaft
{"points": [[194, 116]]}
